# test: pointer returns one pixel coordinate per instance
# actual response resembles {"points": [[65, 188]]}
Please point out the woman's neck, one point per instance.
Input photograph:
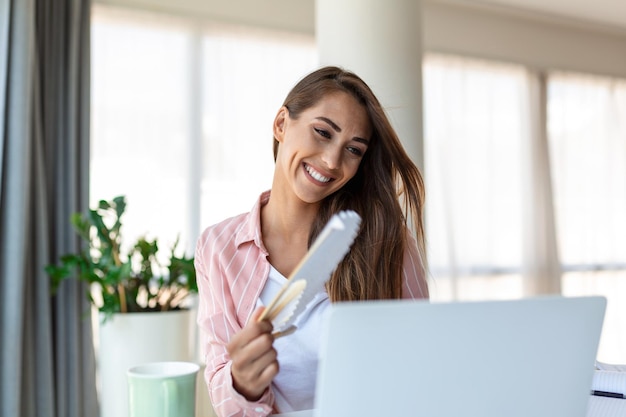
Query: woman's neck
{"points": [[289, 218], [285, 226]]}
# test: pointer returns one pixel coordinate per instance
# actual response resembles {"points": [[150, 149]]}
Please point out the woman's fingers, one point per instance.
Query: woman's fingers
{"points": [[252, 376], [250, 332], [254, 356], [254, 360]]}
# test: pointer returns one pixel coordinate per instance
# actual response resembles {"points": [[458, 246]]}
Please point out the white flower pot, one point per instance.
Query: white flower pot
{"points": [[126, 340]]}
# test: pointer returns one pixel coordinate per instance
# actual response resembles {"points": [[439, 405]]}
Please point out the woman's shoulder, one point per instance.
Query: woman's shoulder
{"points": [[221, 237], [231, 233], [245, 225], [228, 226]]}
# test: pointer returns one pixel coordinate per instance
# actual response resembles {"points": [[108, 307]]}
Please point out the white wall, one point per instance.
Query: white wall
{"points": [[533, 40], [448, 26], [296, 15]]}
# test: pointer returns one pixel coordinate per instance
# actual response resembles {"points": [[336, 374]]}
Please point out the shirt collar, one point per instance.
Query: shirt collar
{"points": [[251, 228]]}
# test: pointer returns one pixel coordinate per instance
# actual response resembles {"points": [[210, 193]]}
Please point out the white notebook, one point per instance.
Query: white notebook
{"points": [[524, 358]]}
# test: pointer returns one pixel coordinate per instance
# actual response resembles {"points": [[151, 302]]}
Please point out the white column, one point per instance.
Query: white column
{"points": [[381, 41]]}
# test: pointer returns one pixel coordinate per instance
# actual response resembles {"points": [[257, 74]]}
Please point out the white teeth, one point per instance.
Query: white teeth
{"points": [[316, 174]]}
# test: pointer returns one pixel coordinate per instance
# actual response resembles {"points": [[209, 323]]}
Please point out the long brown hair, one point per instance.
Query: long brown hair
{"points": [[387, 192]]}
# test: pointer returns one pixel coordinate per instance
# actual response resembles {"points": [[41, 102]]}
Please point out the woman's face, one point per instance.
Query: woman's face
{"points": [[321, 150]]}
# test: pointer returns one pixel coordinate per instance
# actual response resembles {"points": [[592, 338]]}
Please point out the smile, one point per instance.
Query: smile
{"points": [[316, 175]]}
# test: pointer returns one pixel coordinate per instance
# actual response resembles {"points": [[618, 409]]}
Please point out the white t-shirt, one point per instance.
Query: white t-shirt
{"points": [[294, 386]]}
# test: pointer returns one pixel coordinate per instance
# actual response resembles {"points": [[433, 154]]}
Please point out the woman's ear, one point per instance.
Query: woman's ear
{"points": [[279, 123]]}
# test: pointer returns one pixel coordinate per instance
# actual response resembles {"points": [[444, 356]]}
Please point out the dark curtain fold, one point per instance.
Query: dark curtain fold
{"points": [[47, 355]]}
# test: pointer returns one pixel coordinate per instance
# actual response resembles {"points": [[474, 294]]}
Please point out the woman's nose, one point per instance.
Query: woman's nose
{"points": [[332, 156]]}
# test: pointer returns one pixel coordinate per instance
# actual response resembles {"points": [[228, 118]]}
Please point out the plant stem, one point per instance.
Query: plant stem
{"points": [[178, 297], [120, 286], [122, 292]]}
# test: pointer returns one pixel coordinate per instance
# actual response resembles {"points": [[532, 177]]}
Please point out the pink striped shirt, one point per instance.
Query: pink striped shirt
{"points": [[232, 268]]}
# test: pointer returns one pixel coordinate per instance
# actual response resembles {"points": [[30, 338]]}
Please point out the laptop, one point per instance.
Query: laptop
{"points": [[532, 357]]}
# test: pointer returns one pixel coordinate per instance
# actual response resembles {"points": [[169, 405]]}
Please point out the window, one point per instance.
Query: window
{"points": [[587, 136], [181, 124], [526, 186], [473, 118], [181, 116]]}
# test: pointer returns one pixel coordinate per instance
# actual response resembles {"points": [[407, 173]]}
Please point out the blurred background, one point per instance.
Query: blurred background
{"points": [[524, 144], [514, 110]]}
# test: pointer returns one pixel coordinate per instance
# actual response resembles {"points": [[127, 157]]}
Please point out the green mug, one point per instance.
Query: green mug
{"points": [[163, 389]]}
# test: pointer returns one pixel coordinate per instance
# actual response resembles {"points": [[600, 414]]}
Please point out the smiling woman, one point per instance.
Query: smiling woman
{"points": [[323, 144], [334, 150]]}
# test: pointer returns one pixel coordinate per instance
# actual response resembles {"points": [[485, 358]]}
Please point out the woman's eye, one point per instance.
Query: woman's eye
{"points": [[323, 133], [355, 151]]}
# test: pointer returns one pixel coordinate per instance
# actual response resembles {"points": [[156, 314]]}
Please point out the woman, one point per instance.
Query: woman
{"points": [[334, 149]]}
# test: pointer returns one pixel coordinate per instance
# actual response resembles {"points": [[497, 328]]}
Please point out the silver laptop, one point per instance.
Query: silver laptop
{"points": [[524, 358]]}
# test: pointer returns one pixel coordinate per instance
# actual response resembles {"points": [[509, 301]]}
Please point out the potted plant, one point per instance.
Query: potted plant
{"points": [[125, 283], [141, 292]]}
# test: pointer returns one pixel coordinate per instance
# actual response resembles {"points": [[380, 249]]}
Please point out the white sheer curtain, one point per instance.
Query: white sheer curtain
{"points": [[526, 181], [182, 115], [181, 118], [476, 136], [140, 130], [587, 132], [246, 75]]}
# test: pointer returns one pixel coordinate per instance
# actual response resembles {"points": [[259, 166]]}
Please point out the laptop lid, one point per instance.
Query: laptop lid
{"points": [[530, 357]]}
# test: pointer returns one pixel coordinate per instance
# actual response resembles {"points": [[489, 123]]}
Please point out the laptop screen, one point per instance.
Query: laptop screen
{"points": [[530, 357]]}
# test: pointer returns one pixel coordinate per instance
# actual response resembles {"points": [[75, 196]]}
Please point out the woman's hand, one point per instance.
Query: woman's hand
{"points": [[254, 362]]}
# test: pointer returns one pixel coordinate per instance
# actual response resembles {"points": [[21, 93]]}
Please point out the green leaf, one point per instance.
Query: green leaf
{"points": [[100, 261]]}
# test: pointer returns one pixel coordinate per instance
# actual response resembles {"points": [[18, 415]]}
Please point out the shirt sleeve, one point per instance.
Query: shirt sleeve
{"points": [[415, 285], [217, 319]]}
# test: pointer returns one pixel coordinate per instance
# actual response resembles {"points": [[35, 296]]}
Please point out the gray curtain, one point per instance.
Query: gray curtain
{"points": [[47, 360]]}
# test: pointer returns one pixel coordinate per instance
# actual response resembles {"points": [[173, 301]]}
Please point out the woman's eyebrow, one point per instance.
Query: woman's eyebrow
{"points": [[338, 129], [330, 122]]}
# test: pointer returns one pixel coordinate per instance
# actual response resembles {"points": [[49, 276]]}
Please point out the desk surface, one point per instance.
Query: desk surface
{"points": [[303, 413], [598, 407]]}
